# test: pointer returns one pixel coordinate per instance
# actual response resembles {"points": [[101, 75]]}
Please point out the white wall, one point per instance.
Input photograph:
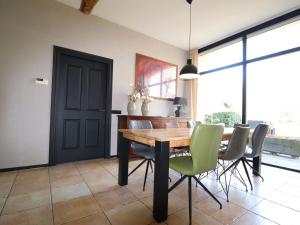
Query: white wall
{"points": [[28, 31]]}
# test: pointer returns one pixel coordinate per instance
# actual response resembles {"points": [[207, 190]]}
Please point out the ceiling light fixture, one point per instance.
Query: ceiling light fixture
{"points": [[189, 71]]}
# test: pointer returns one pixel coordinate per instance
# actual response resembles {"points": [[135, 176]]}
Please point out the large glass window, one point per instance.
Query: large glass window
{"points": [[271, 93], [226, 55], [273, 97], [275, 40], [220, 97]]}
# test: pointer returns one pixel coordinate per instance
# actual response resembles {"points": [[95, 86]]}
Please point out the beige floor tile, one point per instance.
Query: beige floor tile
{"points": [[89, 166], [5, 188], [198, 218], [287, 200], [100, 181], [136, 188], [23, 202], [68, 192], [134, 213], [114, 198], [32, 175], [262, 191], [62, 171], [95, 219], [241, 198], [277, 213], [30, 185], [2, 202], [290, 188], [252, 219], [37, 216], [198, 194], [226, 215], [174, 203], [66, 180], [75, 209], [7, 177]]}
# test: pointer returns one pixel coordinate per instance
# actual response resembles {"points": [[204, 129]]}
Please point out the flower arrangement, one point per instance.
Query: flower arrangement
{"points": [[133, 94], [145, 95]]}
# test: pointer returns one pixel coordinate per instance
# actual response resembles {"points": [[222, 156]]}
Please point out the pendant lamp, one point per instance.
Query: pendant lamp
{"points": [[189, 71]]}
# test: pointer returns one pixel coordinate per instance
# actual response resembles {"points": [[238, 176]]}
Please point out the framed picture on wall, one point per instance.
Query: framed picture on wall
{"points": [[159, 76]]}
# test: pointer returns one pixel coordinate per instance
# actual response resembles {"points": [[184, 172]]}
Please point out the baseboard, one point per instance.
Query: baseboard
{"points": [[23, 167]]}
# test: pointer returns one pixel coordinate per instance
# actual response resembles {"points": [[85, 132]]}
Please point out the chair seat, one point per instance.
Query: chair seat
{"points": [[143, 151], [182, 164]]}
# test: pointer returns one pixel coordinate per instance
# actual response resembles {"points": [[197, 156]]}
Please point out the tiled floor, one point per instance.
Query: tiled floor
{"points": [[87, 193]]}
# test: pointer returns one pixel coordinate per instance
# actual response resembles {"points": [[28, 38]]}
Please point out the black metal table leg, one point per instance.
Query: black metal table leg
{"points": [[256, 165], [161, 179], [123, 149]]}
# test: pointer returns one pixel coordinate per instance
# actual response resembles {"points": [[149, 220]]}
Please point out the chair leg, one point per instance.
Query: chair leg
{"points": [[202, 185], [254, 170], [177, 183], [145, 179], [190, 199], [228, 168], [138, 166], [243, 162], [151, 166]]}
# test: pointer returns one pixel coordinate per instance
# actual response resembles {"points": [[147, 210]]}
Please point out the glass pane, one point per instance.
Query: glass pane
{"points": [[278, 39], [273, 97], [153, 78], [154, 91], [169, 74], [220, 97], [227, 55], [168, 89]]}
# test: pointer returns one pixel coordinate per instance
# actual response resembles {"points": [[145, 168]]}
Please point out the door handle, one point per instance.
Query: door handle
{"points": [[102, 110]]}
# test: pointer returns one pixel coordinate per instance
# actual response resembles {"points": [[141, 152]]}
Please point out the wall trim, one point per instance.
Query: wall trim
{"points": [[23, 167]]}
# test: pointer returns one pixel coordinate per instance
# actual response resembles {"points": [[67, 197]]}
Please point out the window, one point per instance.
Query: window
{"points": [[262, 87], [227, 55], [220, 97], [275, 40]]}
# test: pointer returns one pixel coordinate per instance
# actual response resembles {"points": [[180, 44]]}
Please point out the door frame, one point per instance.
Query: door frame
{"points": [[57, 53]]}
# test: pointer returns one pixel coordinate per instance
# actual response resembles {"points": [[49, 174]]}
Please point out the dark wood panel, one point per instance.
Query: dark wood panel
{"points": [[96, 90], [92, 128], [73, 87], [71, 134]]}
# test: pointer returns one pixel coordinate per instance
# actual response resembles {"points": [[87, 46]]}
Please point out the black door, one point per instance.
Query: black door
{"points": [[82, 105]]}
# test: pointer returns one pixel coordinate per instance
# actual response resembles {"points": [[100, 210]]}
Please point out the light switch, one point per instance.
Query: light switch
{"points": [[41, 81]]}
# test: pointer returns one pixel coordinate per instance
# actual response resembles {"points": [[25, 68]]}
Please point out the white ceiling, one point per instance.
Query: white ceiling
{"points": [[168, 20]]}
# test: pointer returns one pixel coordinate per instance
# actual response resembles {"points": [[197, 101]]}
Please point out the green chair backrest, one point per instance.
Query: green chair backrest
{"points": [[204, 146]]}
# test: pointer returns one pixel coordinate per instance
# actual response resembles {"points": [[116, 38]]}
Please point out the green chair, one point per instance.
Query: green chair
{"points": [[204, 147]]}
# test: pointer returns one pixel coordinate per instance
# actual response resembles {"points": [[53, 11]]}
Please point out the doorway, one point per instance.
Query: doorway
{"points": [[80, 106]]}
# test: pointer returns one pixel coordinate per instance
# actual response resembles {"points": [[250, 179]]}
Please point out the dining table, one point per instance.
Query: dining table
{"points": [[162, 140]]}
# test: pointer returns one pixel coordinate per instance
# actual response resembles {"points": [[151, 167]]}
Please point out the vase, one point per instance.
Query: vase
{"points": [[145, 108], [131, 108]]}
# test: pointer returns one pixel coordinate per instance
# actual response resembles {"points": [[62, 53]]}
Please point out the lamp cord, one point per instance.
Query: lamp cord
{"points": [[190, 30]]}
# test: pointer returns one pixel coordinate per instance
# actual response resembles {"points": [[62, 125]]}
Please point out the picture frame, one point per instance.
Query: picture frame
{"points": [[158, 76]]}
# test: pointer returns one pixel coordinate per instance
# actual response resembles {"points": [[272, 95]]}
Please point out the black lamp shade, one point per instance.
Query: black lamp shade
{"points": [[189, 71], [179, 101]]}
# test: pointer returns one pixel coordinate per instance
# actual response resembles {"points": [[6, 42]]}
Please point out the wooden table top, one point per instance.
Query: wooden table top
{"points": [[176, 136]]}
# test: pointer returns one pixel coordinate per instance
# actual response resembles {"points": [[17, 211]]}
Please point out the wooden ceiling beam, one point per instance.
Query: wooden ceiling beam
{"points": [[87, 6]]}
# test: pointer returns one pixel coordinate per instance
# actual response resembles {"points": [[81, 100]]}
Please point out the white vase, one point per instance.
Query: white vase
{"points": [[131, 108], [145, 108]]}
